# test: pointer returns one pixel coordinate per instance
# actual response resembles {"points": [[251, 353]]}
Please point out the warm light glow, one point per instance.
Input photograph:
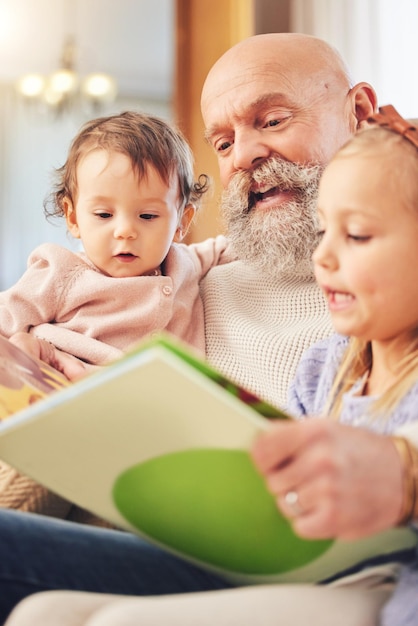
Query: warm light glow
{"points": [[31, 85], [63, 82], [100, 87], [51, 97], [62, 90]]}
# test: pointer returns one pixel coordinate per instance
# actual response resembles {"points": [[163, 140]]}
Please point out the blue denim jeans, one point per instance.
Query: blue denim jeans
{"points": [[40, 553]]}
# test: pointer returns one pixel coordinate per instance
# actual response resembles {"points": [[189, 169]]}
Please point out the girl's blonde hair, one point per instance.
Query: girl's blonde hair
{"points": [[399, 161], [146, 140]]}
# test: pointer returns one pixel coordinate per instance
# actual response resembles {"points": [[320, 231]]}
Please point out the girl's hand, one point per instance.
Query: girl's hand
{"points": [[347, 481]]}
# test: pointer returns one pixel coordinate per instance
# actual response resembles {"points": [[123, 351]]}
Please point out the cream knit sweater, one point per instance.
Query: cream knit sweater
{"points": [[256, 330], [257, 327]]}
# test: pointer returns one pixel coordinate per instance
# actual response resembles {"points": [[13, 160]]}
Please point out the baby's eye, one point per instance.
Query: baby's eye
{"points": [[104, 215], [320, 233], [148, 216], [359, 238]]}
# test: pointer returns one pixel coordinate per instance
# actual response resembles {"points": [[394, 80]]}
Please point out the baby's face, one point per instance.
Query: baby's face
{"points": [[367, 258], [126, 224]]}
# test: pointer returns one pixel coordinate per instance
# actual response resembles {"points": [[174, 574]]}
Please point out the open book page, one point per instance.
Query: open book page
{"points": [[158, 443], [24, 380]]}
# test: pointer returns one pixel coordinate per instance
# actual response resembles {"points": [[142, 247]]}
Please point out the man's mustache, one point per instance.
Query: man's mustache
{"points": [[280, 174]]}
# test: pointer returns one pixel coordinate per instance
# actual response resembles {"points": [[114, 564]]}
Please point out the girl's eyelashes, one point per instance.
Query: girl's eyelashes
{"points": [[148, 216]]}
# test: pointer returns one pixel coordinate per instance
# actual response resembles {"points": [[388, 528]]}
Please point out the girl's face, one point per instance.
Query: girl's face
{"points": [[366, 263], [126, 225]]}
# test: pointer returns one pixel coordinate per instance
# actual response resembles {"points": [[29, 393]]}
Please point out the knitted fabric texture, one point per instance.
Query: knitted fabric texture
{"points": [[258, 326]]}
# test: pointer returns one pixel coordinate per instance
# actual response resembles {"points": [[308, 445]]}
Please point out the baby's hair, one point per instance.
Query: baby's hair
{"points": [[399, 161], [146, 140]]}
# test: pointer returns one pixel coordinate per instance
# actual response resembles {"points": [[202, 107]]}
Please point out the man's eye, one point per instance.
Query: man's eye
{"points": [[283, 118], [273, 123], [148, 216], [221, 147]]}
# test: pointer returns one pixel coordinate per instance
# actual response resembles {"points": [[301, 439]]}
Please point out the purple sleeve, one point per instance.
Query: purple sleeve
{"points": [[314, 376]]}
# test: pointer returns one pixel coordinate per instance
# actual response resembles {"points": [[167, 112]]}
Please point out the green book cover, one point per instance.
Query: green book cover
{"points": [[158, 443]]}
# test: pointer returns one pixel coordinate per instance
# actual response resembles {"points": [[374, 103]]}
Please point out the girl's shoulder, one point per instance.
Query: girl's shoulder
{"points": [[327, 351], [315, 374]]}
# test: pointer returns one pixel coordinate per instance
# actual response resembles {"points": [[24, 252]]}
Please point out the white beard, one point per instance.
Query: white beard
{"points": [[281, 240]]}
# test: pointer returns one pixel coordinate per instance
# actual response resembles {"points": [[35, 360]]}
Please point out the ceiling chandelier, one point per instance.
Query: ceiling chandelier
{"points": [[65, 88]]}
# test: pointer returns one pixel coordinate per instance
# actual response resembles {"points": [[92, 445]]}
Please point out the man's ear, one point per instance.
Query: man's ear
{"points": [[70, 217], [364, 104], [186, 219]]}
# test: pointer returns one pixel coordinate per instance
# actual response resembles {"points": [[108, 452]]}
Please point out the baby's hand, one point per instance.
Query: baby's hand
{"points": [[73, 368], [67, 364]]}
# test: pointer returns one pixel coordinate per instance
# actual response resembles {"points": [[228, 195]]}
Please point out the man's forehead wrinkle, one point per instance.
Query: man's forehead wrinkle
{"points": [[273, 98], [235, 111], [231, 96], [226, 123], [223, 124], [281, 83], [275, 73]]}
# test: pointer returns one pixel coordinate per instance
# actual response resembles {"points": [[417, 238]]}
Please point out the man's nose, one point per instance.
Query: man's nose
{"points": [[250, 147]]}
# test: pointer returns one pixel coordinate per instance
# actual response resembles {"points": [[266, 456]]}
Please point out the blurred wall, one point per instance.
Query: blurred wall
{"points": [[131, 39]]}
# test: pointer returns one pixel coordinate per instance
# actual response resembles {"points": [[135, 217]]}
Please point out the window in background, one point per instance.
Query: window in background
{"points": [[131, 40], [377, 38]]}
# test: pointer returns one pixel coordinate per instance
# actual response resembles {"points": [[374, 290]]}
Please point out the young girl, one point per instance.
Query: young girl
{"points": [[127, 192], [366, 375], [366, 266]]}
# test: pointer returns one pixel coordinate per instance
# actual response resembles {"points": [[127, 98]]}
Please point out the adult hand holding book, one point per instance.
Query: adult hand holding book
{"points": [[158, 443]]}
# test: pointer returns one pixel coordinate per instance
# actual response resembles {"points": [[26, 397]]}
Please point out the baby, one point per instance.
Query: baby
{"points": [[127, 192]]}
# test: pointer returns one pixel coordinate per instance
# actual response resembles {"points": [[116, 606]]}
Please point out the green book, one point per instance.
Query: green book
{"points": [[157, 443]]}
